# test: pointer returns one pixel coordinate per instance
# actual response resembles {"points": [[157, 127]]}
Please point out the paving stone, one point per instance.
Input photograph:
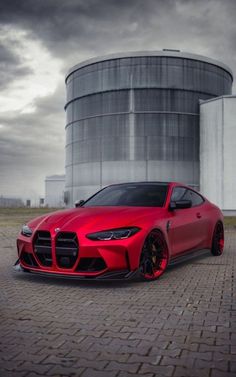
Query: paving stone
{"points": [[119, 357], [129, 367], [127, 374], [95, 364], [181, 361], [233, 365], [58, 370], [220, 365], [31, 367], [5, 373], [218, 373], [197, 355], [154, 359], [190, 372], [94, 373], [221, 349], [165, 352], [158, 370]]}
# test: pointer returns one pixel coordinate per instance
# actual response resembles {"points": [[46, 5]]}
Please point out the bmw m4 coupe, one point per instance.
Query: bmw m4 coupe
{"points": [[124, 230]]}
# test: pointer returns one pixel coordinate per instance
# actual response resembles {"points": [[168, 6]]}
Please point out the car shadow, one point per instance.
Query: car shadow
{"points": [[101, 284]]}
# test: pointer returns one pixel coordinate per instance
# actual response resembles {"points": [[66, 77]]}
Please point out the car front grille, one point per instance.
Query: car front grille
{"points": [[66, 253], [43, 248], [66, 249]]}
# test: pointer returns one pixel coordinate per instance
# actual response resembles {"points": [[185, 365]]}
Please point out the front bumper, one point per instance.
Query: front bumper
{"points": [[89, 260]]}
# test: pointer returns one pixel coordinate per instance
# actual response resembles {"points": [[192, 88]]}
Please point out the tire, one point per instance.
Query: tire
{"points": [[218, 239], [154, 256]]}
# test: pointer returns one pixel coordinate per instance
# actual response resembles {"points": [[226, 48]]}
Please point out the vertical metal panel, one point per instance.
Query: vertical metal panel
{"points": [[211, 159], [218, 165], [88, 173], [123, 171]]}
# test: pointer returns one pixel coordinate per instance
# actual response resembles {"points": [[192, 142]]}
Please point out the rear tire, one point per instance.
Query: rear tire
{"points": [[154, 256], [218, 239]]}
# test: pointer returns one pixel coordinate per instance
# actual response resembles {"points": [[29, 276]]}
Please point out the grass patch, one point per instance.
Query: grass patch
{"points": [[230, 222], [18, 216]]}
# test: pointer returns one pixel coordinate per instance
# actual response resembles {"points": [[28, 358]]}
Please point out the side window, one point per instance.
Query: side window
{"points": [[178, 193], [181, 193], [196, 199]]}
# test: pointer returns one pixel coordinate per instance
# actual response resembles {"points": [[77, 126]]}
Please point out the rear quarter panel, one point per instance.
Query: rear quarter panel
{"points": [[213, 214]]}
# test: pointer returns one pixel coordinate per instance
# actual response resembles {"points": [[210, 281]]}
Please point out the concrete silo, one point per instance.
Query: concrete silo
{"points": [[135, 117]]}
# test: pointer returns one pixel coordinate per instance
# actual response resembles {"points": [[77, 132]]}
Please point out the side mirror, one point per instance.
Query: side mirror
{"points": [[79, 203], [180, 204]]}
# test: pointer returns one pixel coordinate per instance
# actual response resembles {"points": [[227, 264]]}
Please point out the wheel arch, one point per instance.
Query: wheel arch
{"points": [[217, 245], [214, 224], [150, 259], [165, 235]]}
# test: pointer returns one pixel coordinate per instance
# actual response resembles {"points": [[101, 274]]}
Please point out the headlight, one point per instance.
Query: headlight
{"points": [[26, 231], [113, 234]]}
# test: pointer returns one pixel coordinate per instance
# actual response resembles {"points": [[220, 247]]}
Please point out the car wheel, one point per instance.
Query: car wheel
{"points": [[154, 256], [218, 239]]}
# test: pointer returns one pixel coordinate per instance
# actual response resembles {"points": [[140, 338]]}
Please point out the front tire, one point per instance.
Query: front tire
{"points": [[154, 256], [218, 240]]}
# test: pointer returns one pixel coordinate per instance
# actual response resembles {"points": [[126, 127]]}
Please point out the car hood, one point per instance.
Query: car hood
{"points": [[96, 218]]}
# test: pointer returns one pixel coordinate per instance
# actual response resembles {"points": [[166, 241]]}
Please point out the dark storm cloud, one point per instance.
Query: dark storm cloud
{"points": [[7, 56], [74, 30], [92, 27], [89, 26], [79, 28], [32, 146], [11, 66], [37, 131]]}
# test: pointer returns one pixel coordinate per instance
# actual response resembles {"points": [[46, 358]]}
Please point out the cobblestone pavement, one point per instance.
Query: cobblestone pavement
{"points": [[184, 324]]}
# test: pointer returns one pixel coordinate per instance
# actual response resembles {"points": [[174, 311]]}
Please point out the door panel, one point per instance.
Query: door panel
{"points": [[187, 230], [188, 226]]}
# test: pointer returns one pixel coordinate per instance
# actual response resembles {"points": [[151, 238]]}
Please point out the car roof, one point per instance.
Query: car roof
{"points": [[147, 183]]}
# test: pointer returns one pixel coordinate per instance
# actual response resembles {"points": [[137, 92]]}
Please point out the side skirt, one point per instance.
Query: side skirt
{"points": [[188, 255]]}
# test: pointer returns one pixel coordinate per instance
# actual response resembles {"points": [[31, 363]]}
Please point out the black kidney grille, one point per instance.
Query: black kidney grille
{"points": [[66, 249], [43, 248]]}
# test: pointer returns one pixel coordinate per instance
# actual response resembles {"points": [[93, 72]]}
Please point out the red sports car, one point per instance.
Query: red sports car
{"points": [[121, 231]]}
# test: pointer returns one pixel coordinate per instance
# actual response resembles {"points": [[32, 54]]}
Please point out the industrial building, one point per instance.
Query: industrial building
{"points": [[218, 152], [11, 202], [135, 117], [54, 191]]}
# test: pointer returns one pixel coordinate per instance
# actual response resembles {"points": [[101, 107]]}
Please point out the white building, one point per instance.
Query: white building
{"points": [[54, 191], [218, 151]]}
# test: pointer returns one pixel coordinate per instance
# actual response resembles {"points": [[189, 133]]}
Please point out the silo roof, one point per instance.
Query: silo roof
{"points": [[163, 53]]}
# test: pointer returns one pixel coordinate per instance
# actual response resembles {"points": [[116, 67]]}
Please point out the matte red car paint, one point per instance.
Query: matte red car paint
{"points": [[183, 230]]}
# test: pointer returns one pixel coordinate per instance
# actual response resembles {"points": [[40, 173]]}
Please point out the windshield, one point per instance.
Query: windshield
{"points": [[135, 195]]}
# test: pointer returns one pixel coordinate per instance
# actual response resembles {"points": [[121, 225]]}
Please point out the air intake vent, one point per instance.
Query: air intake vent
{"points": [[91, 265], [43, 248], [28, 259], [66, 249]]}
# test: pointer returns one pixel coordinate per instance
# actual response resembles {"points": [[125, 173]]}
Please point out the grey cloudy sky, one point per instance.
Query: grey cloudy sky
{"points": [[41, 39]]}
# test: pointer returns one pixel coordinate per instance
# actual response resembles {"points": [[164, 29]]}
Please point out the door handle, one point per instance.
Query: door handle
{"points": [[198, 215]]}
